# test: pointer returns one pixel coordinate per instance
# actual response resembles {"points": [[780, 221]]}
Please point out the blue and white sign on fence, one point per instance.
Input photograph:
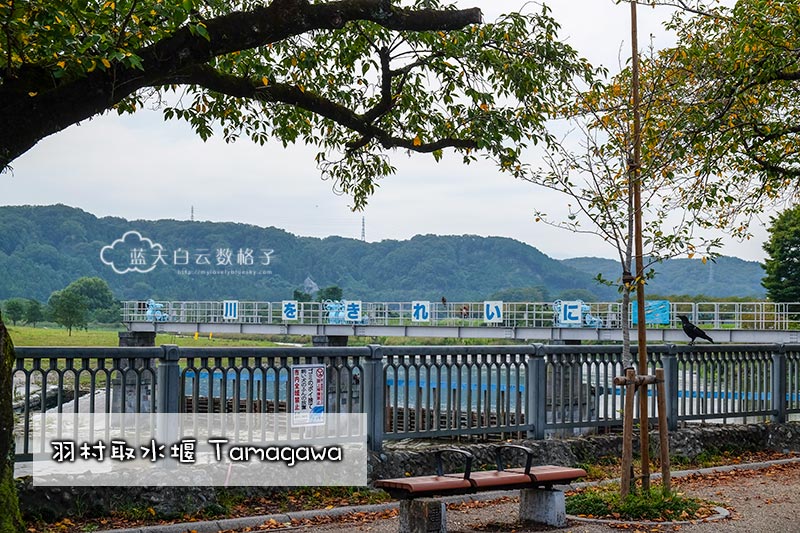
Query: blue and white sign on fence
{"points": [[655, 312], [493, 311], [570, 315], [230, 310], [290, 310], [352, 310], [421, 311]]}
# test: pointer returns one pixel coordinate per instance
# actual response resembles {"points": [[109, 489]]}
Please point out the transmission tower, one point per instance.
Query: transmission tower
{"points": [[363, 230]]}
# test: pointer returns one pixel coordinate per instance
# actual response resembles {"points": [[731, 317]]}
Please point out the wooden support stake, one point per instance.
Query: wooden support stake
{"points": [[641, 382], [644, 437], [627, 434], [663, 432], [636, 190]]}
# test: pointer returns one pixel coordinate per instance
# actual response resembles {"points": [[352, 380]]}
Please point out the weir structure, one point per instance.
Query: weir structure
{"points": [[725, 322]]}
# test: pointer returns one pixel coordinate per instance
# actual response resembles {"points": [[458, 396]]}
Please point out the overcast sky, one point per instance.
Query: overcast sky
{"points": [[140, 167]]}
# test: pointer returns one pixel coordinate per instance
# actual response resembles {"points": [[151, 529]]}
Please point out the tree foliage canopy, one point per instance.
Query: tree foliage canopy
{"points": [[719, 134], [593, 166], [782, 265], [69, 309], [729, 106], [95, 290], [15, 309], [100, 303], [34, 312], [354, 78]]}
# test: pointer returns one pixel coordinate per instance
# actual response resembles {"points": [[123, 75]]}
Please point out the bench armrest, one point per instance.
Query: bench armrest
{"points": [[440, 467], [528, 453]]}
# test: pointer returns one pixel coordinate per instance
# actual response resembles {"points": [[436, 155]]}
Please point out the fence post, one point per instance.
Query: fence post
{"points": [[169, 374], [168, 397], [536, 385], [670, 364], [779, 384], [374, 397]]}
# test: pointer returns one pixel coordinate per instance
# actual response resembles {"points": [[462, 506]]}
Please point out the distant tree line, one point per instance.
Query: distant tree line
{"points": [[85, 300], [328, 293]]}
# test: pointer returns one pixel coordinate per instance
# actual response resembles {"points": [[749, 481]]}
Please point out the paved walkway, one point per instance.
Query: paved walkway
{"points": [[762, 498]]}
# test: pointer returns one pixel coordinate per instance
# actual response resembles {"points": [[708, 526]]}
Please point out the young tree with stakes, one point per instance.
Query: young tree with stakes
{"points": [[612, 165], [591, 166]]}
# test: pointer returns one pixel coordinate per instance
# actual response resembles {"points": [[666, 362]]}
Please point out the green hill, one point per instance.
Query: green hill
{"points": [[43, 249], [723, 277]]}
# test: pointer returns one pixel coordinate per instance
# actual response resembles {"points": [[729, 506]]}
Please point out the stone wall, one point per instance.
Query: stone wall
{"points": [[688, 442], [399, 460]]}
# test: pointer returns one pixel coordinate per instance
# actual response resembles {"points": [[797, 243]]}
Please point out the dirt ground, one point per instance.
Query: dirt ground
{"points": [[760, 501]]}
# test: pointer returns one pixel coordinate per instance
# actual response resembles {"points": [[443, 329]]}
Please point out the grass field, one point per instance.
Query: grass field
{"points": [[49, 336]]}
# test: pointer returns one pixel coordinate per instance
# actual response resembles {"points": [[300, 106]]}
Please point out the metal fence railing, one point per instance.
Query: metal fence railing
{"points": [[256, 380], [413, 391], [762, 316], [456, 390]]}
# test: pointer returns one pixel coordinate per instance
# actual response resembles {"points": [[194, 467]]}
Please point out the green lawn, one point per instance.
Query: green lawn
{"points": [[54, 336]]}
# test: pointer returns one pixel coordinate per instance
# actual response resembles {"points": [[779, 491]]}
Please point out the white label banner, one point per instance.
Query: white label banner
{"points": [[197, 449]]}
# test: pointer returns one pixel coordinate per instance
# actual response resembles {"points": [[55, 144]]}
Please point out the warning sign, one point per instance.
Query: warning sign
{"points": [[308, 395]]}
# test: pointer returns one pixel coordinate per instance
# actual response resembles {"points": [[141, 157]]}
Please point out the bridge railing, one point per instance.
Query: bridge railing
{"points": [[413, 391], [713, 315]]}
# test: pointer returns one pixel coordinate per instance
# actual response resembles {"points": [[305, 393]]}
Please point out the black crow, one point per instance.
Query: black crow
{"points": [[693, 331]]}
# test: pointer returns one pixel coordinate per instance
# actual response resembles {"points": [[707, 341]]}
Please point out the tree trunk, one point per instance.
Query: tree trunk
{"points": [[627, 359], [10, 518]]}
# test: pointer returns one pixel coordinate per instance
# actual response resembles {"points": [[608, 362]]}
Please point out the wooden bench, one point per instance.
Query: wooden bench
{"points": [[421, 512]]}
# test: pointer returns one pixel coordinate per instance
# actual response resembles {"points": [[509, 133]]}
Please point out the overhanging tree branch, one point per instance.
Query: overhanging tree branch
{"points": [[292, 95], [37, 106]]}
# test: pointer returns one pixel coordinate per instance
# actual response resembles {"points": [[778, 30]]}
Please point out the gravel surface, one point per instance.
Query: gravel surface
{"points": [[761, 501]]}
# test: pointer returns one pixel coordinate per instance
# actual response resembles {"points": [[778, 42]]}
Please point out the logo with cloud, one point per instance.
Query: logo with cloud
{"points": [[132, 253]]}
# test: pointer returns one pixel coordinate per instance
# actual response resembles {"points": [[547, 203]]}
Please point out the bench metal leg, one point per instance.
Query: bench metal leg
{"points": [[423, 515], [543, 506]]}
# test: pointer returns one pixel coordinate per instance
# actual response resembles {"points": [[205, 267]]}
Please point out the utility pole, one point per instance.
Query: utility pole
{"points": [[636, 177]]}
